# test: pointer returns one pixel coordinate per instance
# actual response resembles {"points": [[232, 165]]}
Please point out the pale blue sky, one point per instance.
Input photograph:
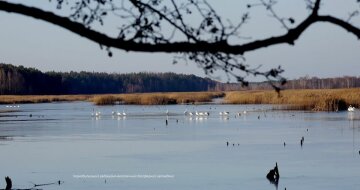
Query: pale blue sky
{"points": [[323, 50]]}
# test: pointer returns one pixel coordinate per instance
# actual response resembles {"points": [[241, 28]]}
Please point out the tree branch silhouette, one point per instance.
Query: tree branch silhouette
{"points": [[207, 45]]}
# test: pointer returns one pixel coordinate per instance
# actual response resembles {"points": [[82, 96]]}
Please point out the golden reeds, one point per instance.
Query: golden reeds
{"points": [[109, 99], [158, 98], [316, 100], [22, 99]]}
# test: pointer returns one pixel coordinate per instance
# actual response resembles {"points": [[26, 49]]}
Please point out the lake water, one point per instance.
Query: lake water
{"points": [[62, 141]]}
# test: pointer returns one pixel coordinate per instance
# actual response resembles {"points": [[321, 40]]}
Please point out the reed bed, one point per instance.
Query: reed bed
{"points": [[23, 99], [157, 98], [109, 99], [315, 100]]}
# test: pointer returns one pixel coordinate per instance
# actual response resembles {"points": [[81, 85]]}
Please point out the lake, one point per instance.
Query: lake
{"points": [[44, 143]]}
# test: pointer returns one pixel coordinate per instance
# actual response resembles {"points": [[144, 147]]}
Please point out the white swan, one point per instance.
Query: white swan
{"points": [[224, 113], [203, 113], [95, 114], [351, 108], [123, 113]]}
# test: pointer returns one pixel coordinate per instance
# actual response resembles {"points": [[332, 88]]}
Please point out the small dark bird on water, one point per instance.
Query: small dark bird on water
{"points": [[227, 143], [166, 122], [284, 144]]}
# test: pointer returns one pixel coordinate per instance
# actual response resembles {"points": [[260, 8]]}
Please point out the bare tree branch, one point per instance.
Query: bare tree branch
{"points": [[203, 46], [290, 37], [348, 27], [207, 45]]}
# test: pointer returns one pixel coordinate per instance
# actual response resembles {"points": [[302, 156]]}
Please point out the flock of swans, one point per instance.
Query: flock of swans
{"points": [[186, 113], [223, 113], [196, 113], [113, 113], [14, 106], [199, 114], [190, 114]]}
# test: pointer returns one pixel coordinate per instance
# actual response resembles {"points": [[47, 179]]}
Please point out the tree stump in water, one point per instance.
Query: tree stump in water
{"points": [[273, 175], [8, 183]]}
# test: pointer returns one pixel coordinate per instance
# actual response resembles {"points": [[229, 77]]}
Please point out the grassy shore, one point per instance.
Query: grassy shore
{"points": [[315, 100]]}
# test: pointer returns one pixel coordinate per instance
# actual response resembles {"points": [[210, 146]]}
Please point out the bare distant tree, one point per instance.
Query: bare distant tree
{"points": [[167, 26]]}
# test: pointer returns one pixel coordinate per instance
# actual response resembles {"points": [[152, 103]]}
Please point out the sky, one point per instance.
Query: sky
{"points": [[323, 50]]}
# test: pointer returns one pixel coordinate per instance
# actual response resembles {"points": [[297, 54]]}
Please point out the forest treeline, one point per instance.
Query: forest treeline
{"points": [[30, 81], [300, 83], [21, 80]]}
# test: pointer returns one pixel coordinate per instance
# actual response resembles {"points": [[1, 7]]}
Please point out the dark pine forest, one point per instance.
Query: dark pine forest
{"points": [[18, 80], [24, 81]]}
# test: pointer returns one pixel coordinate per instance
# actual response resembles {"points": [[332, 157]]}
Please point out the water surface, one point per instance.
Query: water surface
{"points": [[42, 143]]}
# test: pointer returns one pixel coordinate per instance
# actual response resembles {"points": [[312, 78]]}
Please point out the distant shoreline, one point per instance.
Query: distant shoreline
{"points": [[303, 99]]}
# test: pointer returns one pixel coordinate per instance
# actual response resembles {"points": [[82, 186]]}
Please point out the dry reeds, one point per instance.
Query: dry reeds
{"points": [[195, 97], [316, 100], [109, 99], [158, 98], [104, 100], [23, 99]]}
